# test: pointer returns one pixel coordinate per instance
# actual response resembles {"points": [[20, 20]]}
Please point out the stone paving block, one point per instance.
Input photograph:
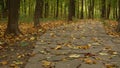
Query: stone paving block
{"points": [[98, 65], [68, 64], [34, 65]]}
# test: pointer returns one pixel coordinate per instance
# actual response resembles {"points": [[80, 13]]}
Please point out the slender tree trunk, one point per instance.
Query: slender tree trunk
{"points": [[118, 27], [12, 27], [4, 7], [61, 6], [25, 12], [92, 8], [54, 10], [78, 7], [38, 12], [82, 13], [108, 9], [46, 14], [89, 9], [65, 10], [71, 10], [57, 10], [86, 9], [103, 10]]}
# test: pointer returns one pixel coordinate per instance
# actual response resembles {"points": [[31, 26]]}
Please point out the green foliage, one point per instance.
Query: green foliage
{"points": [[27, 8], [26, 18]]}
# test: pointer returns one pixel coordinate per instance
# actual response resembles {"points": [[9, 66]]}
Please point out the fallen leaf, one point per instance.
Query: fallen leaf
{"points": [[84, 47], [112, 52], [14, 66], [46, 63], [98, 58], [1, 47], [17, 62], [4, 62], [89, 55], [40, 30], [68, 45], [32, 38], [89, 61], [1, 43], [74, 56], [58, 47], [109, 65], [103, 53]]}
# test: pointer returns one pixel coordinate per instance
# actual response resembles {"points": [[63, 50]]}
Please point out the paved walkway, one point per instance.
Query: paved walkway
{"points": [[79, 45]]}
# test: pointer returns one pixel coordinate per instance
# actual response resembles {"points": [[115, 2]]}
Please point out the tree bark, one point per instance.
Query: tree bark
{"points": [[46, 14], [38, 12], [108, 9], [13, 9], [103, 10], [57, 10], [118, 26], [4, 7], [82, 13], [71, 10], [91, 9]]}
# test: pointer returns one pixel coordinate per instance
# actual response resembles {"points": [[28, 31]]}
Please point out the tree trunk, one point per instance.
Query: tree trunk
{"points": [[25, 12], [92, 8], [82, 13], [57, 11], [4, 8], [38, 12], [108, 9], [71, 10], [89, 9], [118, 26], [46, 14], [103, 10], [13, 9]]}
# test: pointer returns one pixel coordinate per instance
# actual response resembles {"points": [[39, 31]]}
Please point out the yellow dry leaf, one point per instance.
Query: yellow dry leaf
{"points": [[112, 52], [103, 53], [40, 30], [83, 47], [17, 62], [14, 66], [115, 53], [58, 47], [32, 38], [95, 39], [89, 61], [46, 63], [52, 34], [74, 56], [109, 65], [4, 62], [68, 45], [98, 58]]}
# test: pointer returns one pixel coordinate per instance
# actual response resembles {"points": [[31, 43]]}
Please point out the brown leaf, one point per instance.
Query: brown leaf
{"points": [[89, 61], [109, 65], [46, 63], [58, 47], [32, 38], [4, 62], [1, 47], [83, 47]]}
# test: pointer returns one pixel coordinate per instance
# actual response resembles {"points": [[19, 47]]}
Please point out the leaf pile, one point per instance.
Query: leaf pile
{"points": [[16, 50], [110, 27]]}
